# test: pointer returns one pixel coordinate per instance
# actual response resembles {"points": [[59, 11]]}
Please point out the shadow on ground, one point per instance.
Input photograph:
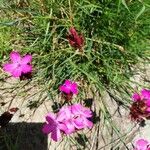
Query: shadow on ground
{"points": [[23, 136]]}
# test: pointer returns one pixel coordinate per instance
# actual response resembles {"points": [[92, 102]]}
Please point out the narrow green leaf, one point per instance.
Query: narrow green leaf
{"points": [[140, 13], [125, 5]]}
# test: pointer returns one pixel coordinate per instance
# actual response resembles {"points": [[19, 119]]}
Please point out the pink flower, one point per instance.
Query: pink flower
{"points": [[141, 106], [69, 87], [136, 97], [52, 126], [68, 120], [81, 115], [145, 94], [75, 40], [142, 144], [66, 117], [18, 65], [75, 116]]}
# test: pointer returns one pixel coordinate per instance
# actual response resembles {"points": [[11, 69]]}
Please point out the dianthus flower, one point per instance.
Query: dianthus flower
{"points": [[18, 65], [68, 89], [68, 120], [140, 108]]}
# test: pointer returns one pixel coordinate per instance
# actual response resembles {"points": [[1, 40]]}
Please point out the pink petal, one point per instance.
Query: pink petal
{"points": [[87, 113], [76, 109], [26, 59], [51, 118], [46, 128], [17, 72], [64, 114], [9, 67], [79, 123], [61, 116], [13, 69], [56, 135], [70, 128], [148, 103], [15, 56], [26, 68], [145, 93], [88, 123], [148, 109], [82, 122], [74, 85], [141, 144], [136, 97], [67, 82], [64, 89], [62, 127], [74, 89]]}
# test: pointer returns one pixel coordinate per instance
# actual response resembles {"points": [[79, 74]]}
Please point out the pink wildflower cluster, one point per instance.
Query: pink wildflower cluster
{"points": [[68, 89], [68, 120], [18, 65], [142, 144], [140, 108]]}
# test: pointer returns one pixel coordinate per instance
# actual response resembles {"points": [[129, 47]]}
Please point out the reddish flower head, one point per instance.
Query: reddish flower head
{"points": [[140, 108], [75, 40], [18, 65]]}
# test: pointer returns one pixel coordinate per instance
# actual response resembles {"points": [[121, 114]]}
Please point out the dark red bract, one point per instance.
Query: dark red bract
{"points": [[67, 97], [26, 76], [138, 111], [75, 40]]}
